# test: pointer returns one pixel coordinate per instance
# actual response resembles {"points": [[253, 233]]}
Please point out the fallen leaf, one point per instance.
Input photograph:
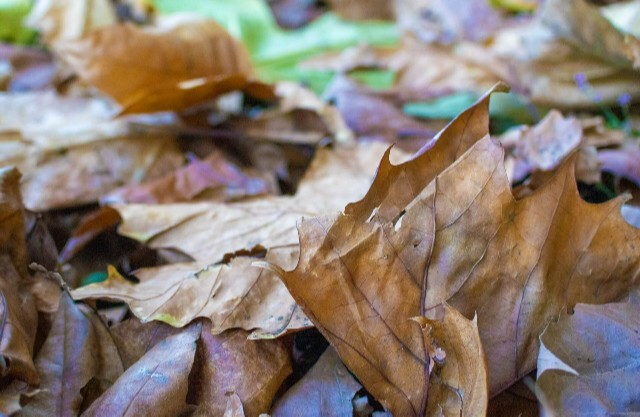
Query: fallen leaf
{"points": [[458, 235], [358, 284], [18, 315], [156, 384], [325, 391], [221, 284], [78, 348], [234, 406], [252, 370], [588, 361], [622, 162], [90, 226], [28, 68], [66, 20], [180, 63]]}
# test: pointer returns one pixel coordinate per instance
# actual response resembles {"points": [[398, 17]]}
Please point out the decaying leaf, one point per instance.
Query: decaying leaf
{"points": [[221, 284], [229, 363], [180, 63], [325, 391], [78, 348], [359, 278], [589, 361], [156, 384], [18, 315], [456, 234]]}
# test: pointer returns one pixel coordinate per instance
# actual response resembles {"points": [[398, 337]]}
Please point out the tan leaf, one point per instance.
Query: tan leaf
{"points": [[360, 282], [588, 362], [356, 10], [234, 293], [229, 363], [456, 235], [18, 315], [71, 151], [325, 391], [182, 62], [78, 348], [65, 20], [156, 384]]}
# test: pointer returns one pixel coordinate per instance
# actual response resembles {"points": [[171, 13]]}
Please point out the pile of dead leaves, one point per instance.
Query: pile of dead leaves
{"points": [[185, 230]]}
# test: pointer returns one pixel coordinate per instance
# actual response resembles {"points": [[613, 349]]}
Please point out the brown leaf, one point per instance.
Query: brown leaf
{"points": [[456, 235], [233, 293], [156, 384], [78, 348], [356, 10], [180, 63], [18, 315], [342, 278], [325, 391], [588, 362], [229, 363], [90, 226]]}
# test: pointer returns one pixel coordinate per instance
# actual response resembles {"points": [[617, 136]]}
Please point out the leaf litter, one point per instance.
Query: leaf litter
{"points": [[193, 210]]}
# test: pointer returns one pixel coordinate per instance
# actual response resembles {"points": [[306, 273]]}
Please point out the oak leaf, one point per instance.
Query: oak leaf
{"points": [[221, 284], [589, 361], [182, 62], [456, 235]]}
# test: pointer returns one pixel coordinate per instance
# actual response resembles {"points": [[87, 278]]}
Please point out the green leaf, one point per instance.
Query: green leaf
{"points": [[12, 13]]}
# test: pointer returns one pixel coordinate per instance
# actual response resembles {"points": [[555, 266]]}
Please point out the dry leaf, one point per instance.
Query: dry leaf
{"points": [[459, 237], [69, 20], [71, 152], [231, 292], [234, 406], [18, 315], [78, 348], [357, 282], [251, 369], [156, 384], [325, 391], [180, 63], [588, 362], [622, 162]]}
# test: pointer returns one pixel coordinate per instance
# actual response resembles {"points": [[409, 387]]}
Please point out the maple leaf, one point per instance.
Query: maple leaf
{"points": [[588, 361], [233, 293], [181, 62], [456, 235]]}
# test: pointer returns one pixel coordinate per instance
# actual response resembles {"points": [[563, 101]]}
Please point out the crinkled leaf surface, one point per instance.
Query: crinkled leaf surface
{"points": [[325, 391], [457, 236], [589, 361], [78, 348], [156, 384], [234, 293], [360, 277]]}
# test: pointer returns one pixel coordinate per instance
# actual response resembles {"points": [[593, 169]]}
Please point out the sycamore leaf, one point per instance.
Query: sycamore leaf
{"points": [[325, 391], [231, 292], [156, 384], [178, 64], [251, 369], [18, 315], [456, 235], [78, 348], [589, 361]]}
